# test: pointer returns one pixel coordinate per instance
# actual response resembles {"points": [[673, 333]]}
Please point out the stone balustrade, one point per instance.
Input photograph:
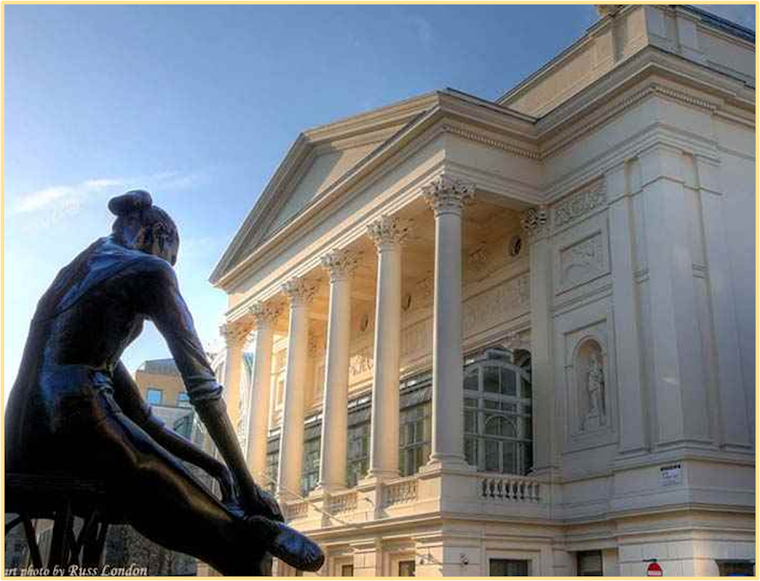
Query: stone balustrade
{"points": [[509, 488], [400, 491], [296, 510], [342, 502], [504, 494]]}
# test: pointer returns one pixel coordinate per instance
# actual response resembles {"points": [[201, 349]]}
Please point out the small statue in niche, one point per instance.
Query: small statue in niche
{"points": [[595, 390]]}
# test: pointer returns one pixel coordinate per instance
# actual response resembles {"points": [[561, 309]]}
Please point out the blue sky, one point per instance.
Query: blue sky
{"points": [[198, 104]]}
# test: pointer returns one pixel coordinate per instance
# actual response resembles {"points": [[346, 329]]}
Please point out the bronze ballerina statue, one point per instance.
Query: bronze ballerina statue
{"points": [[74, 409]]}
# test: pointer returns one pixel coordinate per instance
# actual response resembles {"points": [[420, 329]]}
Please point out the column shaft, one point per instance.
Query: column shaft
{"points": [[234, 336], [447, 196], [261, 385], [385, 381], [291, 440], [335, 409]]}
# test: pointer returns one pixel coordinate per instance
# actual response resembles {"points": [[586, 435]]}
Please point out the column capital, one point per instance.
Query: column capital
{"points": [[535, 222], [446, 194], [264, 313], [234, 333], [340, 263], [387, 231], [299, 291]]}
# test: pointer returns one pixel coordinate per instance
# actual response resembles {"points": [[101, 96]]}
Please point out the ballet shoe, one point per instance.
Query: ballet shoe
{"points": [[288, 545]]}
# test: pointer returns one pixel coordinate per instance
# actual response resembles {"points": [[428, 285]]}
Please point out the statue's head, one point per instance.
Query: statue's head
{"points": [[142, 226]]}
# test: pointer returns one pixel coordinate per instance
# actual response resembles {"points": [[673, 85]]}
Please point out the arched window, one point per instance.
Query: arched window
{"points": [[498, 412]]}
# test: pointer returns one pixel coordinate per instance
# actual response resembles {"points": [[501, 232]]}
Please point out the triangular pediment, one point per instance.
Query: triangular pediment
{"points": [[319, 159], [318, 173]]}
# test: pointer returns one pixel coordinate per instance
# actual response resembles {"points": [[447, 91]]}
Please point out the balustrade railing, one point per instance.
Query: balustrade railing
{"points": [[297, 509], [400, 492], [510, 489], [342, 502]]}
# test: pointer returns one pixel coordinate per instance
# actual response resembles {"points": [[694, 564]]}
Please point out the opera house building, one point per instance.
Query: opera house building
{"points": [[515, 337]]}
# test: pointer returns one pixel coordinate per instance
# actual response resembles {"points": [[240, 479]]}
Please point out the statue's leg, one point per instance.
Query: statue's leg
{"points": [[165, 502]]}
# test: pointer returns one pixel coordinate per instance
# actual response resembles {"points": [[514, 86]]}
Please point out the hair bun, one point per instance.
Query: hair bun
{"points": [[130, 202]]}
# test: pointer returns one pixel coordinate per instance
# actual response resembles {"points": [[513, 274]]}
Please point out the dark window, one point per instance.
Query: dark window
{"points": [[273, 462], [311, 454], [498, 410], [736, 568], [347, 570], [414, 439], [357, 463], [154, 396], [508, 568], [406, 568], [590, 564]]}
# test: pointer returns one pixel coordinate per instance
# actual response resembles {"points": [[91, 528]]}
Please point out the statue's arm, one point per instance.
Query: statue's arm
{"points": [[127, 395], [164, 305]]}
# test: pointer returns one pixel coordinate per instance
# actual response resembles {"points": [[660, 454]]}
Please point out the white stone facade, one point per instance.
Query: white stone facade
{"points": [[516, 337]]}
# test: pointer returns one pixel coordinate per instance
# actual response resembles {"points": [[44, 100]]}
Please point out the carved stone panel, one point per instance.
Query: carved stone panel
{"points": [[496, 305], [580, 203], [581, 254], [582, 261]]}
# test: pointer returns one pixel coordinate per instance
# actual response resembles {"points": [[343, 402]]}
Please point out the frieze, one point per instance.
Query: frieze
{"points": [[580, 204], [496, 305], [582, 261]]}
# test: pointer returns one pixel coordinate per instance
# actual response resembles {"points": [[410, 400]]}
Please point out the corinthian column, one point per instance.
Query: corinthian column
{"points": [[299, 294], [235, 336], [388, 235], [446, 197], [264, 316], [332, 474]]}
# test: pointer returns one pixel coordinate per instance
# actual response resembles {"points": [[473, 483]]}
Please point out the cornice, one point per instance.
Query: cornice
{"points": [[651, 72], [496, 143]]}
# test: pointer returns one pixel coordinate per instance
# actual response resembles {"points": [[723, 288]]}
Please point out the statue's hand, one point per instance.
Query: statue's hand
{"points": [[260, 502], [223, 476]]}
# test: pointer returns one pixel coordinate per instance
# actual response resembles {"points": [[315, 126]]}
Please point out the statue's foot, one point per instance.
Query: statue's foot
{"points": [[288, 545]]}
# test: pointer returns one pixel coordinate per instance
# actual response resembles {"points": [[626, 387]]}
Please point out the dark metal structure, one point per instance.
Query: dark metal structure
{"points": [[74, 411]]}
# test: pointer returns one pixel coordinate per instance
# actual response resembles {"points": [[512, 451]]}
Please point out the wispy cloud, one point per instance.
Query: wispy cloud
{"points": [[57, 202], [422, 28]]}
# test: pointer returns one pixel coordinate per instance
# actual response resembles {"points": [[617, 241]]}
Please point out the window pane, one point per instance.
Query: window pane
{"points": [[528, 457], [492, 456], [406, 568], [346, 570], [471, 422], [471, 451], [491, 379], [508, 568], [154, 396], [471, 380], [508, 386], [527, 389], [590, 564], [509, 465]]}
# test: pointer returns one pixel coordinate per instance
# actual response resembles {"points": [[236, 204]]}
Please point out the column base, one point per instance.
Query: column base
{"points": [[375, 476], [447, 463], [329, 488]]}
